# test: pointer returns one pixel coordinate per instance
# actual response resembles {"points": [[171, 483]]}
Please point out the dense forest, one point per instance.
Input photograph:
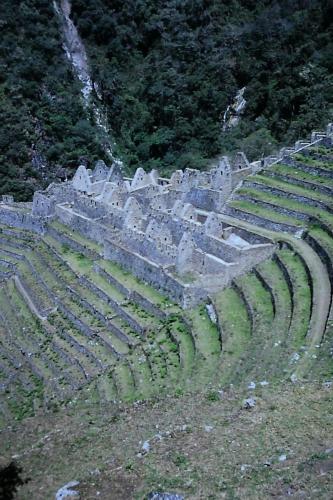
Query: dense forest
{"points": [[43, 124], [167, 71]]}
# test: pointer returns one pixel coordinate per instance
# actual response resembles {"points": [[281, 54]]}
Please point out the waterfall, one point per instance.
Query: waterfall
{"points": [[77, 56], [234, 111]]}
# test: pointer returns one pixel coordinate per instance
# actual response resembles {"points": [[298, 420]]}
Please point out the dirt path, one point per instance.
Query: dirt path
{"points": [[321, 283], [27, 298]]}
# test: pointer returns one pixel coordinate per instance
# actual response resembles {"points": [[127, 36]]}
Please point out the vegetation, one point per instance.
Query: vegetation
{"points": [[167, 72], [43, 123]]}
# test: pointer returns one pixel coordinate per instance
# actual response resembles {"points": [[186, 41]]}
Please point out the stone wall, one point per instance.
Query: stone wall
{"points": [[145, 270], [291, 196], [21, 219], [261, 221], [89, 206], [162, 254], [206, 199]]}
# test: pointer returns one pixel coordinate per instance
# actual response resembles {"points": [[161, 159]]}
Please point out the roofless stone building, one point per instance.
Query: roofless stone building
{"points": [[165, 231]]}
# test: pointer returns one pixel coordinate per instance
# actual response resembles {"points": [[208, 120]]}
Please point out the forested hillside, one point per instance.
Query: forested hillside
{"points": [[167, 71], [43, 124]]}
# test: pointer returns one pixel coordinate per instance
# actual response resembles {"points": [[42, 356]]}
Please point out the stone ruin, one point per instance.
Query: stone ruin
{"points": [[167, 232], [171, 233]]}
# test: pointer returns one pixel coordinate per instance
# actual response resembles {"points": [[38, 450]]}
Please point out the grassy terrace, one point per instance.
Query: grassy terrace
{"points": [[84, 266], [207, 342], [324, 239], [265, 213], [321, 150], [287, 203], [50, 269], [313, 162], [291, 188], [259, 300], [33, 338], [74, 235], [235, 325], [170, 357], [292, 171], [301, 296], [274, 278], [124, 277], [267, 349], [132, 283], [73, 303], [87, 350]]}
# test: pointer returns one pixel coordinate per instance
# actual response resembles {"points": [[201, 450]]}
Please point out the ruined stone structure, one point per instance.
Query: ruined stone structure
{"points": [[165, 231], [72, 320]]}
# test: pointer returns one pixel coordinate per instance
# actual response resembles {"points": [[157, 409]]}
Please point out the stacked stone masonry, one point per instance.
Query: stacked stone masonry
{"points": [[168, 232]]}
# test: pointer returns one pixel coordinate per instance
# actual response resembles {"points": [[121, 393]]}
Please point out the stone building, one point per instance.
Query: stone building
{"points": [[167, 232]]}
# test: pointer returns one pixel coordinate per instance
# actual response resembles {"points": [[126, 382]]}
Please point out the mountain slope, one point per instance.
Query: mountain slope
{"points": [[43, 123], [167, 72]]}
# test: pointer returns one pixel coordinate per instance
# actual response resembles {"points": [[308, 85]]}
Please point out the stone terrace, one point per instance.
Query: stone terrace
{"points": [[76, 324], [167, 232]]}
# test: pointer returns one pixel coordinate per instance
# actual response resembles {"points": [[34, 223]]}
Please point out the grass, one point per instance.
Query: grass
{"points": [[257, 361], [236, 330], [74, 235], [302, 297], [287, 419], [106, 388], [313, 162], [82, 265], [291, 188], [143, 375], [186, 344], [323, 239], [124, 382], [207, 342], [167, 370], [265, 213], [274, 277], [322, 150], [288, 204], [132, 283], [292, 171]]}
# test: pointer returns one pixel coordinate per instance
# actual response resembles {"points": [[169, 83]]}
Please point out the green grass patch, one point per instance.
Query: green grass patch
{"points": [[129, 281], [313, 162], [206, 338], [323, 239], [291, 188], [288, 204], [302, 296], [292, 171], [265, 213], [235, 326], [186, 344], [74, 235], [260, 300]]}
